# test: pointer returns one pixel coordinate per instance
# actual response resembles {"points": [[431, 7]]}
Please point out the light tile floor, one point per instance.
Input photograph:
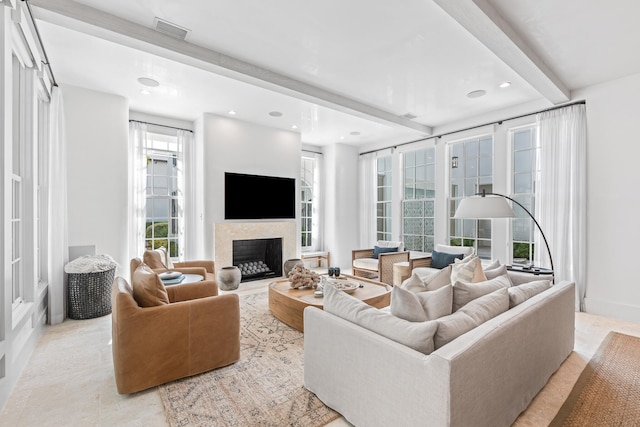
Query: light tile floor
{"points": [[69, 378]]}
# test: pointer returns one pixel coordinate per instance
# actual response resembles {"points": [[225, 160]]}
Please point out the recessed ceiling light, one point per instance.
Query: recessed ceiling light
{"points": [[148, 82], [294, 127], [232, 112], [275, 114], [476, 93], [342, 137], [505, 84], [354, 133], [145, 92]]}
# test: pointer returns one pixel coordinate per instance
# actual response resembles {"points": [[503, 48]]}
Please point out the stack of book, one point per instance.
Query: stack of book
{"points": [[171, 277]]}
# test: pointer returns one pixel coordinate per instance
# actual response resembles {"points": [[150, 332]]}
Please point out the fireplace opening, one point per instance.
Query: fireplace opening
{"points": [[258, 258]]}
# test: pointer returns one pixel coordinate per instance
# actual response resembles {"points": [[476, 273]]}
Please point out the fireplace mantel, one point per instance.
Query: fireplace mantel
{"points": [[224, 233]]}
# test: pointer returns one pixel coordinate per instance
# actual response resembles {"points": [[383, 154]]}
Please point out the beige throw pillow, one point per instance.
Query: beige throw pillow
{"points": [[467, 271], [148, 290], [427, 280], [421, 306], [521, 293], [495, 272], [463, 293], [416, 335], [468, 317]]}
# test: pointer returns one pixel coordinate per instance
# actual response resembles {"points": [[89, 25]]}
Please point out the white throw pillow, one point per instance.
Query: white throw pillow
{"points": [[467, 271], [521, 293], [421, 306], [416, 335], [463, 293], [427, 279], [464, 250], [495, 272], [473, 314], [492, 265]]}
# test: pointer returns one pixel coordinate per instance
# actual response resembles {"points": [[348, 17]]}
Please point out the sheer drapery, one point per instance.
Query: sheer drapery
{"points": [[561, 200], [137, 188], [367, 169], [192, 238], [57, 227]]}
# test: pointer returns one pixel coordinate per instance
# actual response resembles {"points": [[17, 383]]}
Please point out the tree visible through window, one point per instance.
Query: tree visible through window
{"points": [[164, 193]]}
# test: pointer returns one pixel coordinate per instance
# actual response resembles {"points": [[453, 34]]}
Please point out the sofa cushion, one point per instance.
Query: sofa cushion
{"points": [[427, 279], [377, 250], [366, 263], [521, 277], [443, 259], [463, 293], [464, 250], [148, 290], [495, 272], [416, 335], [390, 244], [157, 259], [421, 306], [467, 271], [521, 293], [492, 265], [471, 315]]}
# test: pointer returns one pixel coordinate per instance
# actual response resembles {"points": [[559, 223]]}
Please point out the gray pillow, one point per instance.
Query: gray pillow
{"points": [[421, 306], [521, 293], [492, 273], [463, 293], [416, 335], [471, 315], [428, 280]]}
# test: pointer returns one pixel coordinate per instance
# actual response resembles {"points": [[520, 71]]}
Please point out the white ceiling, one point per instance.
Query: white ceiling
{"points": [[334, 67]]}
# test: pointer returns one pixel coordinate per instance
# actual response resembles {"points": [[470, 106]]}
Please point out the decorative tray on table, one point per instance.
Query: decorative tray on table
{"points": [[347, 286]]}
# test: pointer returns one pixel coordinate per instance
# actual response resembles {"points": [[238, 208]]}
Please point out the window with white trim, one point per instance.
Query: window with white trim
{"points": [[383, 198], [307, 187], [470, 172], [418, 206], [17, 181], [164, 192], [525, 177]]}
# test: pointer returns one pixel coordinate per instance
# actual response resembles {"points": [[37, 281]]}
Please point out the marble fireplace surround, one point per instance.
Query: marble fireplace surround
{"points": [[224, 233]]}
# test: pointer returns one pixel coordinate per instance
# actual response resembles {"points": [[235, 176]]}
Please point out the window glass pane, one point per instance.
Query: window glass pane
{"points": [[522, 161], [486, 166], [522, 139], [486, 147], [522, 183], [410, 159]]}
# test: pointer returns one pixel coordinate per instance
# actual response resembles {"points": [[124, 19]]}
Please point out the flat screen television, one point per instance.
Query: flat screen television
{"points": [[259, 197]]}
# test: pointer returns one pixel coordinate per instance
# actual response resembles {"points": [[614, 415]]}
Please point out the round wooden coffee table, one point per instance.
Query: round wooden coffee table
{"points": [[287, 304]]}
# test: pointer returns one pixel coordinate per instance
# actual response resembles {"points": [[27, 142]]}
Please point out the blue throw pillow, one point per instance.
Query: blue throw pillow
{"points": [[443, 259], [377, 250]]}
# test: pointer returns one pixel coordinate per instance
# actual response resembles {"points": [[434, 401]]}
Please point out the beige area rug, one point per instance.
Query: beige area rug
{"points": [[607, 392], [264, 388]]}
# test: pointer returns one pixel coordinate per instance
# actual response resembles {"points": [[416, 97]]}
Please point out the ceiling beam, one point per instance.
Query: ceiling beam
{"points": [[482, 20], [92, 21]]}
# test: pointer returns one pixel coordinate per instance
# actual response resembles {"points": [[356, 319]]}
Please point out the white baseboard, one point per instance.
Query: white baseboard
{"points": [[612, 309]]}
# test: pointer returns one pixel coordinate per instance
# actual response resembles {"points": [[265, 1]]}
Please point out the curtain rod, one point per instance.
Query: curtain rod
{"points": [[156, 124], [557, 107], [44, 51]]}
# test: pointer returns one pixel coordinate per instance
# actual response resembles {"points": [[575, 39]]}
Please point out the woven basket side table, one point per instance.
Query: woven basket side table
{"points": [[89, 294]]}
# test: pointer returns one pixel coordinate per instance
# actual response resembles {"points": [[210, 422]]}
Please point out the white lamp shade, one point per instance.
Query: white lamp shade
{"points": [[487, 207]]}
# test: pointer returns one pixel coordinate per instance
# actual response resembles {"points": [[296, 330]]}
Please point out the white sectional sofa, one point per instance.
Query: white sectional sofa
{"points": [[485, 377]]}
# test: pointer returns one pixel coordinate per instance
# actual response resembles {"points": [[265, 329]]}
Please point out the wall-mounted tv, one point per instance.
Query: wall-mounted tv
{"points": [[259, 197]]}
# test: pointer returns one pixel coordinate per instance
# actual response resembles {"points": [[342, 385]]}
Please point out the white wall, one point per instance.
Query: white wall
{"points": [[341, 203], [97, 140], [232, 145], [613, 197]]}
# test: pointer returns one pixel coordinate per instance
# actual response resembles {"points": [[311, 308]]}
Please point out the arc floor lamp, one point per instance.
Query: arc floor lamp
{"points": [[494, 205]]}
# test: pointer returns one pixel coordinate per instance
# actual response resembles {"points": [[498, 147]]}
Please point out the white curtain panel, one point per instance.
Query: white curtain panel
{"points": [[57, 226], [137, 188], [367, 169], [192, 239], [561, 200]]}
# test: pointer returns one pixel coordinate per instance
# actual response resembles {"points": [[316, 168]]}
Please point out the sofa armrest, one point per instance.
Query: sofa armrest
{"points": [[385, 265], [188, 270], [424, 261], [190, 291], [208, 265], [361, 253]]}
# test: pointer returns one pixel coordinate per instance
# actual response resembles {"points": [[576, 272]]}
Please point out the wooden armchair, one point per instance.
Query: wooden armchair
{"points": [[364, 262]]}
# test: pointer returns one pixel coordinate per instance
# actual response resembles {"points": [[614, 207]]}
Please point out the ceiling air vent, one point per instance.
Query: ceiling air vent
{"points": [[170, 29], [409, 116]]}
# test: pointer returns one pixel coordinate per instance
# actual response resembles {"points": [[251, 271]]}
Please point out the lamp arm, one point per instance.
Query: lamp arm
{"points": [[528, 213]]}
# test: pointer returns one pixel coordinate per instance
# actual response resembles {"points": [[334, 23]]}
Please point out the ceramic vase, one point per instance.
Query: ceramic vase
{"points": [[229, 278], [289, 264]]}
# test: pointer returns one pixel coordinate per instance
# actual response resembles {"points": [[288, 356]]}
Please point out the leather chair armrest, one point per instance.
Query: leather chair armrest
{"points": [[385, 265], [191, 291], [208, 265], [191, 270]]}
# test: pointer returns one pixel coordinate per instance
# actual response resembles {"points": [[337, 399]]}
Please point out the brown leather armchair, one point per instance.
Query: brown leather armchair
{"points": [[196, 332], [159, 261]]}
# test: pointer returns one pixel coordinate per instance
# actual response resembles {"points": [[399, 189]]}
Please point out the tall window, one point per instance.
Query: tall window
{"points": [[307, 179], [470, 172], [17, 183], [383, 200], [418, 206], [164, 192], [526, 173], [41, 193]]}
